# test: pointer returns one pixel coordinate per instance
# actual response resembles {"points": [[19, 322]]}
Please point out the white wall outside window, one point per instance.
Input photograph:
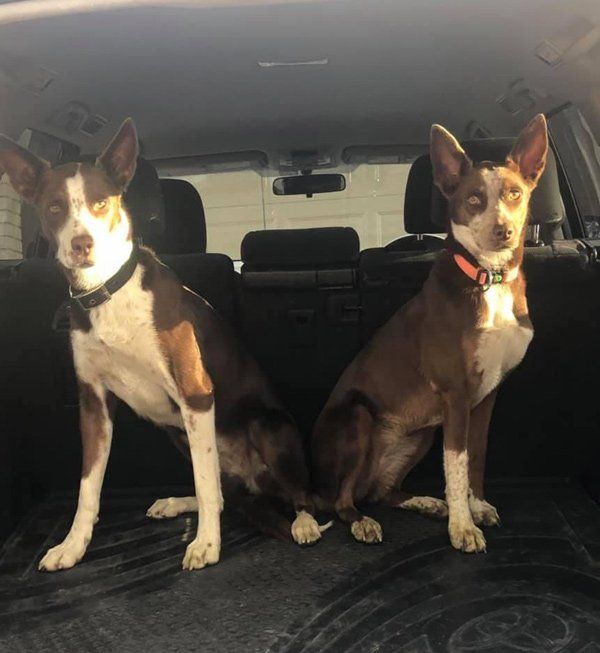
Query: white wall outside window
{"points": [[238, 202]]}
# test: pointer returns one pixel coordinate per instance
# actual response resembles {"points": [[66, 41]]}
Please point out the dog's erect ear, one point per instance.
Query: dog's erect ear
{"points": [[120, 156], [448, 159], [23, 168], [528, 156]]}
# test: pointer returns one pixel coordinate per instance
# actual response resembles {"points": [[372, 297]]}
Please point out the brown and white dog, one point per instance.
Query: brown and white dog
{"points": [[440, 358], [140, 336]]}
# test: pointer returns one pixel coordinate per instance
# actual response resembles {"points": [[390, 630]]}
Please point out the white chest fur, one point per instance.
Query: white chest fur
{"points": [[501, 341], [122, 352]]}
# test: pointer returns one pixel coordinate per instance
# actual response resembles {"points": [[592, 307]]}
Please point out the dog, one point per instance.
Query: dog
{"points": [[440, 359], [138, 335]]}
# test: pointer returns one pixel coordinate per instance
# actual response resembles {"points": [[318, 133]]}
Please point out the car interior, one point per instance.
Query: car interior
{"points": [[284, 176]]}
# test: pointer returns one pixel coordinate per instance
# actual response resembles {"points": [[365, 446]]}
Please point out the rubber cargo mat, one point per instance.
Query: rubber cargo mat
{"points": [[537, 589]]}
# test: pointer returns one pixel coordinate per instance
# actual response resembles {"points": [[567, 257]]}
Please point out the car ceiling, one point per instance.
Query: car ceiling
{"points": [[191, 79]]}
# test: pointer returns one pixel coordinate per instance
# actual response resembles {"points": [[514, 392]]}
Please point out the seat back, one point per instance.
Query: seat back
{"points": [[185, 223], [300, 309]]}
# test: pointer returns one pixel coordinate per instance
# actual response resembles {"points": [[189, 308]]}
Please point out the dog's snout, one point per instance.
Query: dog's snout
{"points": [[503, 232], [82, 245]]}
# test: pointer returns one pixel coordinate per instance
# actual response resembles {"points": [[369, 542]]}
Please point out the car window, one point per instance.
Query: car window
{"points": [[238, 202], [579, 154], [11, 238]]}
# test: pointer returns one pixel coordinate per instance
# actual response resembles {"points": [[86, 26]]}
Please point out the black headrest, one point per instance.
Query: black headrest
{"points": [[417, 199], [325, 247], [144, 202], [546, 205], [185, 224]]}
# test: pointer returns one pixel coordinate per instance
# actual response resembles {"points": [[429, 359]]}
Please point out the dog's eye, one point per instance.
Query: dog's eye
{"points": [[55, 208], [99, 206], [514, 194], [473, 200]]}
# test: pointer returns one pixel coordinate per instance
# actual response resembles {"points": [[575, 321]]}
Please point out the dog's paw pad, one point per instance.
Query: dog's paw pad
{"points": [[63, 556], [168, 508], [484, 513], [305, 529], [367, 530], [467, 538], [428, 506], [199, 554]]}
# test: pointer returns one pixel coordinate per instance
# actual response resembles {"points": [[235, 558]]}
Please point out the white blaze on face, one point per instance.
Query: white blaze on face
{"points": [[476, 237], [111, 248]]}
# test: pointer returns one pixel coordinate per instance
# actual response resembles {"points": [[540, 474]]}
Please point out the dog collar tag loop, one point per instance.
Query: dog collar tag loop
{"points": [[482, 276], [91, 299], [103, 293]]}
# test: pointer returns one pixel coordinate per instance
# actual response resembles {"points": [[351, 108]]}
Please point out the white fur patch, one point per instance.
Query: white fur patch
{"points": [[122, 352], [72, 549], [483, 512], [206, 547], [171, 507], [305, 529], [502, 342], [464, 535]]}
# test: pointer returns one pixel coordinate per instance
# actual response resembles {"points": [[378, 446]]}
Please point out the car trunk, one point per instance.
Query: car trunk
{"points": [[304, 313]]}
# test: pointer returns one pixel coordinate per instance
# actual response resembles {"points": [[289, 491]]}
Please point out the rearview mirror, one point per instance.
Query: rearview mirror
{"points": [[309, 184]]}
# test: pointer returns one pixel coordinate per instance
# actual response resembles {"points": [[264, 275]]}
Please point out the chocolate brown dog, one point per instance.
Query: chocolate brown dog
{"points": [[140, 336], [441, 357]]}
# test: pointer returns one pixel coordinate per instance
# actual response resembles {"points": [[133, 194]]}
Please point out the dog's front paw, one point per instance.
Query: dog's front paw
{"points": [[466, 537], [367, 530], [64, 556], [201, 553], [483, 512]]}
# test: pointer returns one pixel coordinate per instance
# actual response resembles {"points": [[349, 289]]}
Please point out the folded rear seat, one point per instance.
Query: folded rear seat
{"points": [[300, 309]]}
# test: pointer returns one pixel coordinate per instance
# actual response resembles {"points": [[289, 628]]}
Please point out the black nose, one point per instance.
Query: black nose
{"points": [[503, 232], [82, 245]]}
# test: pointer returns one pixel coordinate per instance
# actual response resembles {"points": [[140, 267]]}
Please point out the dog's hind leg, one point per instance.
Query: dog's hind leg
{"points": [[174, 506], [276, 439], [266, 514], [417, 445], [341, 446]]}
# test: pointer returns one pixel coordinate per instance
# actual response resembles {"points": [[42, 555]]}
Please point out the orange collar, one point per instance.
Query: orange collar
{"points": [[483, 276]]}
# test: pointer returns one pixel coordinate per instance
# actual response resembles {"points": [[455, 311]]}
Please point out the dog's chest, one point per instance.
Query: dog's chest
{"points": [[122, 351], [501, 342]]}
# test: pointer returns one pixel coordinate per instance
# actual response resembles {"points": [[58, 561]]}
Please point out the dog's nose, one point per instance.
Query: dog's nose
{"points": [[82, 245], [503, 232]]}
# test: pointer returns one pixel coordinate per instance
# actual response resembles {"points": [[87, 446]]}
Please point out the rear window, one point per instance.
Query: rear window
{"points": [[238, 202]]}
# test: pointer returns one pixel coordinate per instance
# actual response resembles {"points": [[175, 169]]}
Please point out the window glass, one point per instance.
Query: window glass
{"points": [[579, 155], [238, 202], [11, 238]]}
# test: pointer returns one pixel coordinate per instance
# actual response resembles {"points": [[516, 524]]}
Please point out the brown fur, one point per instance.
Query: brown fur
{"points": [[420, 369], [93, 414], [80, 207]]}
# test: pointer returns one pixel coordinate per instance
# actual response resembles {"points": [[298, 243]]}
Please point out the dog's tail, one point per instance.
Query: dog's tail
{"points": [[266, 515]]}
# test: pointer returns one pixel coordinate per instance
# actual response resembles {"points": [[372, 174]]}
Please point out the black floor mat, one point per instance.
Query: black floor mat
{"points": [[536, 590]]}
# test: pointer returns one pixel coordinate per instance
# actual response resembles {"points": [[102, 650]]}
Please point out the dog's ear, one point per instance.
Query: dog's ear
{"points": [[23, 168], [448, 159], [120, 156], [528, 156]]}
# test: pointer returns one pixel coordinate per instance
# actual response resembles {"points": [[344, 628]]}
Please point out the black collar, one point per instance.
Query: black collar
{"points": [[103, 293]]}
